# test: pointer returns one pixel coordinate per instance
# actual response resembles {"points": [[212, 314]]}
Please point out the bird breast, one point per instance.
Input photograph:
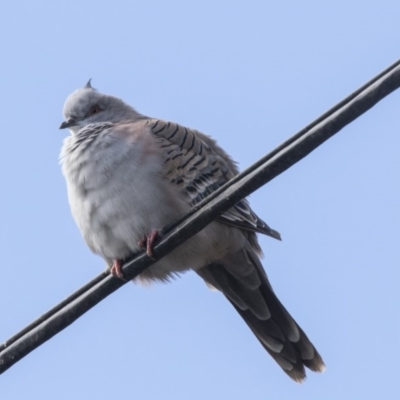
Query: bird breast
{"points": [[114, 188]]}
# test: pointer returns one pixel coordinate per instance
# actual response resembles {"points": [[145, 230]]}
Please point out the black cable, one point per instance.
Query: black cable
{"points": [[270, 166]]}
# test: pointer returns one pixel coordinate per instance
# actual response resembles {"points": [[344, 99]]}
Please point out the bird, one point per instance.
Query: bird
{"points": [[128, 175]]}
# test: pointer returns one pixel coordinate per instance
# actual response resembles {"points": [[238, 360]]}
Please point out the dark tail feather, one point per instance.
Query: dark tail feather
{"points": [[292, 357], [243, 281]]}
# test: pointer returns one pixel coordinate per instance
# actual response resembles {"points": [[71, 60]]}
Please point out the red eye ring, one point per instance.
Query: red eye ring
{"points": [[94, 109]]}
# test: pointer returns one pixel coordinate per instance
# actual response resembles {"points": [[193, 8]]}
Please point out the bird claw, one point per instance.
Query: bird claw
{"points": [[145, 243], [116, 270], [148, 241]]}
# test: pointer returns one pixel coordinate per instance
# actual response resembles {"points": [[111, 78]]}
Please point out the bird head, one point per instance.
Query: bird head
{"points": [[88, 106]]}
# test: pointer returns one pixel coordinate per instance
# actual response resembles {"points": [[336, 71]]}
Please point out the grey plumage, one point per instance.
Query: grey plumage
{"points": [[128, 174]]}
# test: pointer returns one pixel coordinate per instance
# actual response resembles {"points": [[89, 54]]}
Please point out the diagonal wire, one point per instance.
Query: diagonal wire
{"points": [[267, 168]]}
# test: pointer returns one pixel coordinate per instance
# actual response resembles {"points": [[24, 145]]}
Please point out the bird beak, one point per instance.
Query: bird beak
{"points": [[68, 124]]}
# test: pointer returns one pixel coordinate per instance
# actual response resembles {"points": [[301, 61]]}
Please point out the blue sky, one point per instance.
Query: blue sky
{"points": [[250, 74]]}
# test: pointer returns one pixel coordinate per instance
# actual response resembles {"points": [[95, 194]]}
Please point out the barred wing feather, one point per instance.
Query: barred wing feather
{"points": [[198, 166]]}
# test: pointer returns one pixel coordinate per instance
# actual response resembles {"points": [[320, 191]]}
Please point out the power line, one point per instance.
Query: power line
{"points": [[263, 171]]}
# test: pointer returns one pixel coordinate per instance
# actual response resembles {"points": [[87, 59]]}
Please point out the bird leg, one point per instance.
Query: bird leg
{"points": [[116, 269], [147, 242]]}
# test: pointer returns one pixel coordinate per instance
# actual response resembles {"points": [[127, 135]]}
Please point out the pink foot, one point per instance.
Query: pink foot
{"points": [[116, 269], [148, 241]]}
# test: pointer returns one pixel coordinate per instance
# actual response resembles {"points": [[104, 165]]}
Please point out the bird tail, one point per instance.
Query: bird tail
{"points": [[242, 279]]}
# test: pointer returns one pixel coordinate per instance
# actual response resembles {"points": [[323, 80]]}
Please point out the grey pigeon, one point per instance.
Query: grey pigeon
{"points": [[129, 175]]}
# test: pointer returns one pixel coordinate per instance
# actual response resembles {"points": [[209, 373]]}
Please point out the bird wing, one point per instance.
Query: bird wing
{"points": [[198, 167]]}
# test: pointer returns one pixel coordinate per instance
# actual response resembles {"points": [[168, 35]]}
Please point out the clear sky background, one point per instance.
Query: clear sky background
{"points": [[250, 74]]}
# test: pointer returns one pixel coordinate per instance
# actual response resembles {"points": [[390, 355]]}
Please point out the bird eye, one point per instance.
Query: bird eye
{"points": [[94, 109]]}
